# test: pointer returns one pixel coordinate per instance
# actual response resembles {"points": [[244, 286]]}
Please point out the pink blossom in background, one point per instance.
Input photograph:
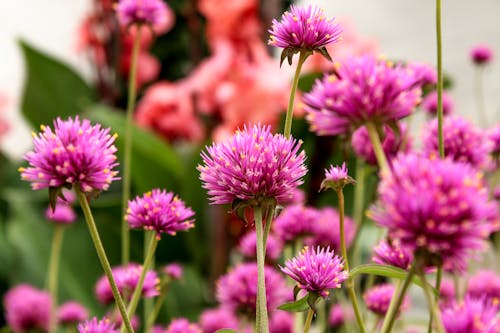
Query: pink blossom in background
{"points": [[71, 313], [212, 320], [155, 13], [429, 104], [281, 322], [481, 54], [248, 243], [4, 125], [98, 326], [377, 299], [182, 325]]}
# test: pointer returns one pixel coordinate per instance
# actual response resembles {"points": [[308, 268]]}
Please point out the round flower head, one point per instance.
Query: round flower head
{"points": [[98, 326], [338, 315], [174, 271], [182, 325], [247, 246], [304, 29], [281, 322], [295, 221], [430, 103], [481, 54], [253, 166], [378, 298], [27, 308], [63, 213], [153, 12], [126, 278], [424, 73], [437, 206], [392, 143], [212, 320], [115, 317], [386, 253], [362, 90], [326, 230], [76, 153], [161, 211], [336, 178], [71, 313], [446, 292], [237, 290], [485, 284], [316, 271], [463, 142], [494, 136], [470, 316]]}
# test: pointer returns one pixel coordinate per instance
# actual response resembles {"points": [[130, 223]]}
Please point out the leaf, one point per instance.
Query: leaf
{"points": [[299, 305], [51, 89]]}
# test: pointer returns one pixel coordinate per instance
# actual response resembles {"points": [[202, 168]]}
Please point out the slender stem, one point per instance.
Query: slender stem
{"points": [[350, 283], [392, 304], [481, 108], [53, 273], [309, 319], [439, 277], [156, 309], [261, 284], [101, 254], [289, 112], [127, 163], [439, 79], [147, 305], [432, 304], [377, 148]]}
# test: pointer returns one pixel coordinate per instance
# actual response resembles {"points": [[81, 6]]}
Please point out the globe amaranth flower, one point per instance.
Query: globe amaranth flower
{"points": [[156, 13], [62, 213], [182, 325], [338, 315], [494, 137], [248, 242], [281, 322], [116, 318], [237, 289], [336, 178], [485, 284], [173, 270], [463, 142], [446, 292], [304, 29], [378, 298], [212, 320], [437, 206], [392, 143], [71, 313], [160, 211], [253, 166], [126, 278], [316, 270], [481, 54], [470, 316], [295, 221], [98, 326], [430, 103], [75, 153], [391, 253], [27, 308], [362, 90]]}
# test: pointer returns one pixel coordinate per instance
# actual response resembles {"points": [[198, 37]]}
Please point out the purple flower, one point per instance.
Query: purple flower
{"points": [[481, 54], [463, 142], [295, 221], [430, 103], [161, 211], [338, 315], [98, 326], [153, 12], [182, 325], [63, 213], [316, 271], [485, 284], [378, 298], [281, 322], [27, 308], [116, 318], [71, 313], [75, 153], [447, 292], [212, 320], [386, 253], [438, 206], [494, 137], [247, 245], [423, 72], [336, 178], [392, 143], [362, 90], [237, 289], [253, 165], [173, 270], [126, 278], [470, 316]]}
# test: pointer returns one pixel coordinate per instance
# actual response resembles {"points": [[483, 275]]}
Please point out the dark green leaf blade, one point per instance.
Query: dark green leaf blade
{"points": [[299, 305]]}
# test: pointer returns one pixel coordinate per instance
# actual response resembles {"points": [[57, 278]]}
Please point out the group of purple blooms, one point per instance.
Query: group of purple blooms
{"points": [[437, 213]]}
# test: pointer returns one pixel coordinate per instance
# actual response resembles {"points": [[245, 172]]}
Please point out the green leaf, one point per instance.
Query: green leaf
{"points": [[52, 89], [299, 305]]}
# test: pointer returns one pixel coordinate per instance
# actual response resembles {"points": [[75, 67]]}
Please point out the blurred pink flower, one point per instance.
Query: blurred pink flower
{"points": [[4, 125]]}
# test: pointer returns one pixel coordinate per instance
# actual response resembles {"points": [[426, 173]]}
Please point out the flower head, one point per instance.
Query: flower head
{"points": [[153, 12], [338, 316], [173, 270], [126, 278], [212, 320], [295, 221], [494, 136], [437, 206], [253, 165], [161, 211], [247, 245], [362, 90], [27, 308], [76, 153], [304, 29], [471, 316], [71, 313], [281, 322], [62, 213], [336, 178], [182, 325], [447, 292], [485, 284], [430, 103], [98, 326], [481, 54], [316, 271], [377, 299], [391, 253]]}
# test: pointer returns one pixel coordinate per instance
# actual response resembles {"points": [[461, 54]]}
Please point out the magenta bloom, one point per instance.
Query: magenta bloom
{"points": [[481, 54], [281, 322], [27, 308], [161, 211], [253, 165], [463, 142], [471, 316], [182, 325], [423, 72], [72, 313], [377, 299], [439, 206], [247, 246], [126, 278], [173, 270], [316, 271], [98, 326], [485, 284], [362, 90], [494, 136], [295, 221], [393, 254], [447, 292], [326, 230], [212, 320], [237, 290], [75, 153], [153, 12], [336, 178], [430, 102], [338, 316]]}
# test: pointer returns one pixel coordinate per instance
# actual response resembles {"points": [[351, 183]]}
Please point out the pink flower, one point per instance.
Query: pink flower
{"points": [[4, 126], [182, 325], [153, 12], [391, 253], [281, 322], [71, 313], [63, 212], [173, 270], [295, 221], [430, 102], [377, 299], [326, 230], [485, 284], [247, 246], [98, 326], [481, 54], [212, 320], [471, 316], [336, 178]]}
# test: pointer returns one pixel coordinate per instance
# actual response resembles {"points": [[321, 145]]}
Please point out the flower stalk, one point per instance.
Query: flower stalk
{"points": [[377, 148], [309, 318], [262, 321], [53, 273], [289, 112], [439, 79]]}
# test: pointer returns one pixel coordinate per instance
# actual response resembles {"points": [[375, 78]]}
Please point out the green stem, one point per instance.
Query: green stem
{"points": [[101, 254], [53, 273], [432, 304], [309, 319], [377, 148], [349, 284], [439, 79], [392, 304], [289, 112], [439, 277], [127, 163], [156, 309], [261, 314], [148, 302]]}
